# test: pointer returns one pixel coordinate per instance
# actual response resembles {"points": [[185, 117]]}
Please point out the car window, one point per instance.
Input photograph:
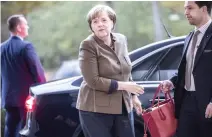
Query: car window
{"points": [[168, 66], [139, 72]]}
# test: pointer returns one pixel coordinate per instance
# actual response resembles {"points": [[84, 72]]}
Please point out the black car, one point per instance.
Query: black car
{"points": [[67, 69], [51, 106]]}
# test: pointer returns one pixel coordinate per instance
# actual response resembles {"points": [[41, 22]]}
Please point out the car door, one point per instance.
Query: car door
{"points": [[159, 65]]}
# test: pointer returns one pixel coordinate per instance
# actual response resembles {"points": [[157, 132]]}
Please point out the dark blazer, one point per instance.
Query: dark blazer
{"points": [[100, 65], [20, 68], [202, 72]]}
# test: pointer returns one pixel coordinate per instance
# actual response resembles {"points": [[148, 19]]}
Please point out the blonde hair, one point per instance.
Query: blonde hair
{"points": [[97, 10]]}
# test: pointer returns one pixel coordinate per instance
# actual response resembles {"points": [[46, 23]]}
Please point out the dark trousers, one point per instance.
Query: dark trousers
{"points": [[14, 121], [106, 125], [191, 124]]}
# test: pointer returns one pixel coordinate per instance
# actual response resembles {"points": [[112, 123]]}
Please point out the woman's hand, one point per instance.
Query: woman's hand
{"points": [[131, 87], [137, 105]]}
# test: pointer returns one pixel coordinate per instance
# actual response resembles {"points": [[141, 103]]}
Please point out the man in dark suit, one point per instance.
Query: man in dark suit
{"points": [[20, 68], [193, 83]]}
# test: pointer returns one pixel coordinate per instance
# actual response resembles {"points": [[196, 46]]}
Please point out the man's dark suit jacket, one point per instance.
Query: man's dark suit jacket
{"points": [[202, 72], [20, 68]]}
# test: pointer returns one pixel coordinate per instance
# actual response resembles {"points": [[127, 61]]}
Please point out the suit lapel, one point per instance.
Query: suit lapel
{"points": [[187, 42], [101, 44], [203, 43], [117, 47]]}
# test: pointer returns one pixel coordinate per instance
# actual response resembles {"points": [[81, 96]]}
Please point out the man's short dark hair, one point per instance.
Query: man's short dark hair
{"points": [[208, 4], [13, 21]]}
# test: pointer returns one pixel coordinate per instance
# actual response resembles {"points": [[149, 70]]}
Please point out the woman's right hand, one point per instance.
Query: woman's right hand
{"points": [[131, 87]]}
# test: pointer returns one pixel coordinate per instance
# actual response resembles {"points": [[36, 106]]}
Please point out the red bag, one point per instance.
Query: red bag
{"points": [[159, 118]]}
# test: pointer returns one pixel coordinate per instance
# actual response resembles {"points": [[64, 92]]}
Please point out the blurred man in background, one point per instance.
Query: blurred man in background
{"points": [[20, 68]]}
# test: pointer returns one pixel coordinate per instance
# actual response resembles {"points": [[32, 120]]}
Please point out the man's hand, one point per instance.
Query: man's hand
{"points": [[208, 112], [137, 105], [166, 85]]}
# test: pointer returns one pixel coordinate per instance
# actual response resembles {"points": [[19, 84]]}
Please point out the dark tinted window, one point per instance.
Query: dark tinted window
{"points": [[168, 65], [160, 66], [172, 59], [141, 70]]}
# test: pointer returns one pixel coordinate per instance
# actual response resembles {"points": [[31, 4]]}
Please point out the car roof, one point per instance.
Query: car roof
{"points": [[153, 46]]}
